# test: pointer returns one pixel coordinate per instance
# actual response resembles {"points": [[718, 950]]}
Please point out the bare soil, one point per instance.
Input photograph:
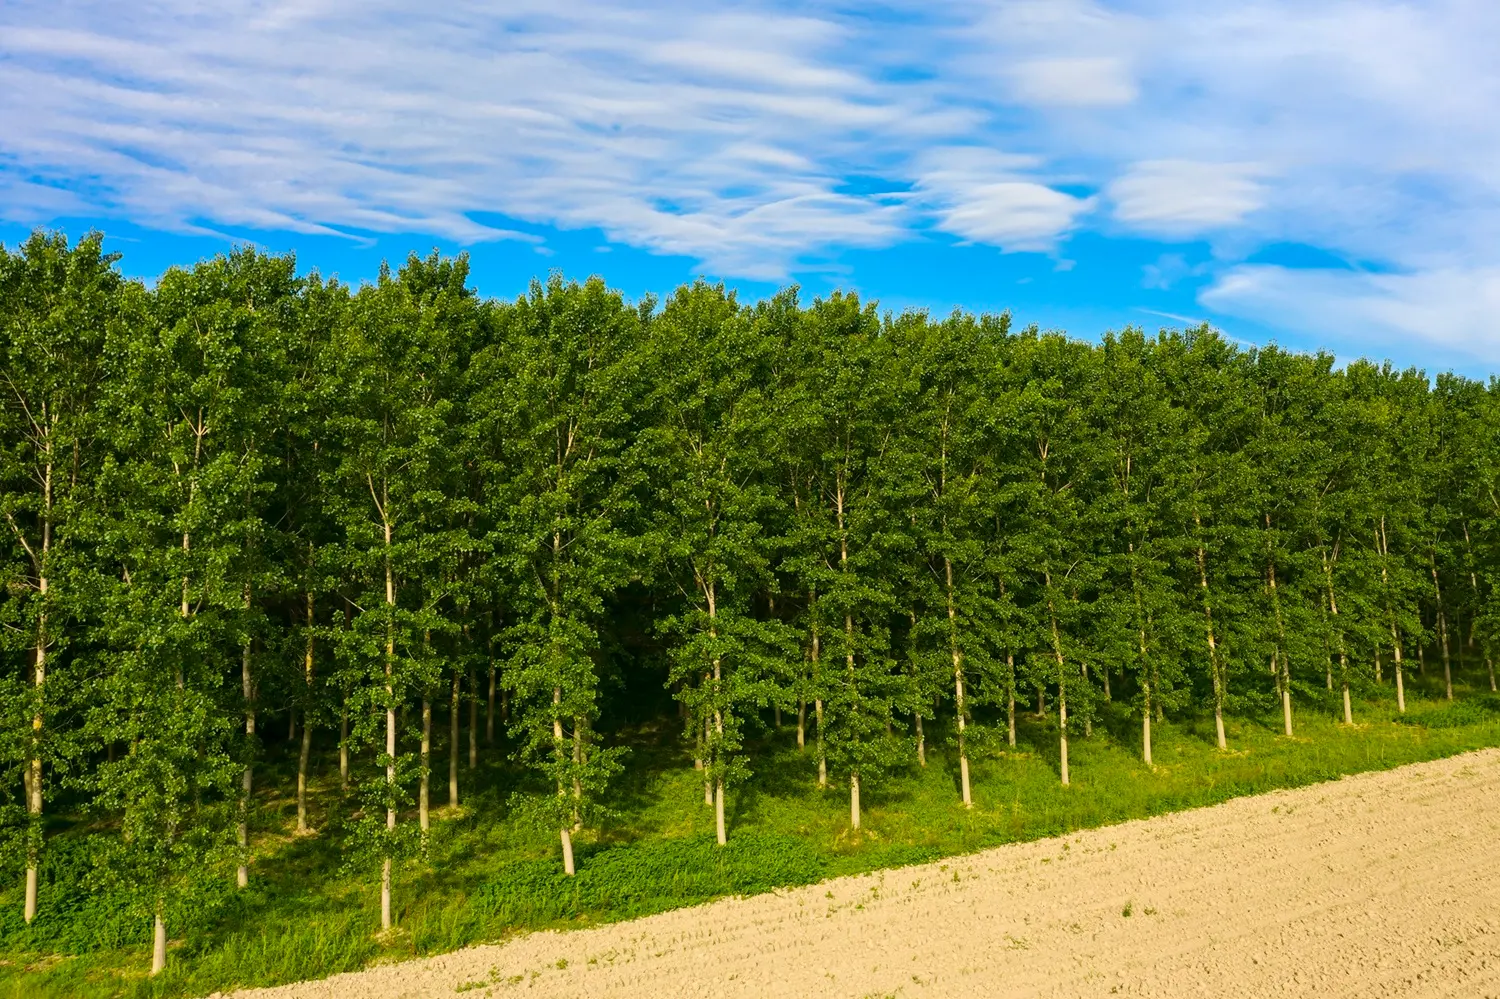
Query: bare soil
{"points": [[1382, 884]]}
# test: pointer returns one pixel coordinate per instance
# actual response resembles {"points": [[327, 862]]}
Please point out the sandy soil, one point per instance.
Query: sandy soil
{"points": [[1376, 885]]}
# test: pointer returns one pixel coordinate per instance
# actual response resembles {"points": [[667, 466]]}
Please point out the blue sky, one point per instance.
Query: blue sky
{"points": [[1324, 174]]}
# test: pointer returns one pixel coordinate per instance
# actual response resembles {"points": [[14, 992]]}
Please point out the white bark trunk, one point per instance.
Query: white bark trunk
{"points": [[305, 755], [719, 829], [247, 780], [958, 689], [1146, 734], [1146, 721], [1062, 719], [385, 891], [158, 945], [454, 707], [854, 801], [1010, 701], [424, 817], [303, 758], [390, 724], [822, 759]]}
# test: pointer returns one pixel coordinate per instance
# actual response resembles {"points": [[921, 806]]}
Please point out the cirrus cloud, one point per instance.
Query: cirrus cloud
{"points": [[762, 137]]}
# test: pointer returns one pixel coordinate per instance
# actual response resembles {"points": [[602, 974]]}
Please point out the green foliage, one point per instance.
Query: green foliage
{"points": [[241, 502]]}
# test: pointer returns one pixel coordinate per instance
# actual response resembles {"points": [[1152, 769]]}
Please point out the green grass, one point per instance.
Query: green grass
{"points": [[486, 878]]}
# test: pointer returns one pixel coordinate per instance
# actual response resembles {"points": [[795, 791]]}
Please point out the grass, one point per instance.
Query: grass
{"points": [[486, 878]]}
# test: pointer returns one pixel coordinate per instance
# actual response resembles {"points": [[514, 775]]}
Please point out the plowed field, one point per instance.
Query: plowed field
{"points": [[1383, 884]]}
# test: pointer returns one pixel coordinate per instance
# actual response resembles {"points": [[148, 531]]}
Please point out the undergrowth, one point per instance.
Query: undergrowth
{"points": [[486, 877]]}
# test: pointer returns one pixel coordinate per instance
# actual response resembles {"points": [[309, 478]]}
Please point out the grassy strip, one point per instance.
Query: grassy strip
{"points": [[486, 879]]}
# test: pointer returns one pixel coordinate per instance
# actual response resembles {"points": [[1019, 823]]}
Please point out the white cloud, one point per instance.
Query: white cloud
{"points": [[1085, 81], [1455, 309], [725, 137], [987, 197], [730, 133], [1183, 197]]}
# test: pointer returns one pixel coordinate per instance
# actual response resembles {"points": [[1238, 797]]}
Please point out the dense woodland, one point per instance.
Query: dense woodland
{"points": [[242, 505]]}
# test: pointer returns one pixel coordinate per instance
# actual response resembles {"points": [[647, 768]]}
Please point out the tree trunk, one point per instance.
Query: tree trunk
{"points": [[801, 723], [473, 725], [1062, 682], [1333, 606], [708, 784], [1213, 646], [424, 817], [1279, 655], [454, 708], [921, 739], [854, 800], [822, 759], [489, 711], [1285, 679], [344, 743], [33, 773], [580, 737], [958, 688], [158, 943], [1442, 625], [716, 744], [1146, 723], [1010, 699], [242, 827], [390, 723], [1062, 722], [33, 765], [1383, 545], [815, 650], [557, 749], [305, 754]]}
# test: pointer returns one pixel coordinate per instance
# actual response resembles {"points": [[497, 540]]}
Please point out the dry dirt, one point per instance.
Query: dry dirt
{"points": [[1383, 884]]}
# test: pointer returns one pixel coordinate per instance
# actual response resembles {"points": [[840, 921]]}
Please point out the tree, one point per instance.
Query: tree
{"points": [[393, 425], [847, 546], [188, 474], [554, 398], [706, 452], [56, 304]]}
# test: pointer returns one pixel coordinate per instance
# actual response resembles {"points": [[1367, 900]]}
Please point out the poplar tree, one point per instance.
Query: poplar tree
{"points": [[1133, 510], [945, 419], [56, 304], [706, 450], [392, 421], [188, 475], [1056, 447], [846, 430], [554, 399]]}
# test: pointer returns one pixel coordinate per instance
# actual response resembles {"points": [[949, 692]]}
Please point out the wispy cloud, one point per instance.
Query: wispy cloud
{"points": [[1453, 309], [730, 134], [1183, 197], [989, 197]]}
